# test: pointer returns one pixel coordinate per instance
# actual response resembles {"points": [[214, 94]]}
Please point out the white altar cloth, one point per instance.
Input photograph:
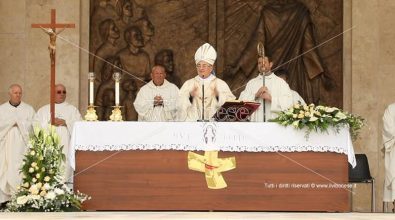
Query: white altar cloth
{"points": [[201, 136]]}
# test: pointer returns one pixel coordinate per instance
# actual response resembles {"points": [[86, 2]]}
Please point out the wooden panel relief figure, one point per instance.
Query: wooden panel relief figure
{"points": [[101, 10], [165, 58], [139, 34], [105, 95], [172, 30], [291, 31], [134, 60], [128, 14], [288, 33], [130, 89], [109, 34]]}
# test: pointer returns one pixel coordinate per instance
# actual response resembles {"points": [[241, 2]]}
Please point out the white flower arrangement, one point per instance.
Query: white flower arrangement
{"points": [[319, 118], [42, 189]]}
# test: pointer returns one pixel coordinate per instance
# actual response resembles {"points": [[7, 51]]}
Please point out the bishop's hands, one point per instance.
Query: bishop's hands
{"points": [[158, 101], [264, 94], [194, 92], [216, 93]]}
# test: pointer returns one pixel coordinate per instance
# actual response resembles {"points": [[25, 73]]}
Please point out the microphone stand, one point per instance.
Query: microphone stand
{"points": [[202, 118], [203, 101]]}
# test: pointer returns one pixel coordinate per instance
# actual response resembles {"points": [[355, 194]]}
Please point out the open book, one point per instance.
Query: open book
{"points": [[236, 110]]}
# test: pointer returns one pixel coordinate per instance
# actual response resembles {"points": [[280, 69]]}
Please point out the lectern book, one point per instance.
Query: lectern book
{"points": [[232, 111]]}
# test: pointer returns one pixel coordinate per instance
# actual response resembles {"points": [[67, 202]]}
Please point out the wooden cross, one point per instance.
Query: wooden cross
{"points": [[50, 29]]}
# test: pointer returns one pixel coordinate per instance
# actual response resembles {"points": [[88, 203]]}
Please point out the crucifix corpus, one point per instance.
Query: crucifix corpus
{"points": [[50, 29]]}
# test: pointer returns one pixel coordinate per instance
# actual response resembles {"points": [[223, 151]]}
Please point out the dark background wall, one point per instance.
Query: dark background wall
{"points": [[229, 25]]}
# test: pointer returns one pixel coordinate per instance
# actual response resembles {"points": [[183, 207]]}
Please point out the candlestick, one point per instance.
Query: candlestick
{"points": [[91, 78], [116, 114], [91, 112], [117, 78]]}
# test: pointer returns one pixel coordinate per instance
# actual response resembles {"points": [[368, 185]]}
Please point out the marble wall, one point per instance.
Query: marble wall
{"points": [[369, 73], [24, 56], [370, 84]]}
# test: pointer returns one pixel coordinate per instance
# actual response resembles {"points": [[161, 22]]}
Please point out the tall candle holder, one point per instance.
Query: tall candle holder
{"points": [[91, 112], [116, 114]]}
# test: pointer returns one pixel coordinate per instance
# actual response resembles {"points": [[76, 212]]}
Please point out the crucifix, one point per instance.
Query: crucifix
{"points": [[50, 29]]}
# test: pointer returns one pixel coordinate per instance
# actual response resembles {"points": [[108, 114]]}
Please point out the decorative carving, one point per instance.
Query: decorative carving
{"points": [[108, 98], [134, 60], [165, 58], [105, 95], [129, 87], [142, 34], [289, 28], [109, 34]]}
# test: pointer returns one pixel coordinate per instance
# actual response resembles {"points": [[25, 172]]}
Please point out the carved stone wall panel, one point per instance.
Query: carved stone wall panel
{"points": [[171, 31], [241, 19]]}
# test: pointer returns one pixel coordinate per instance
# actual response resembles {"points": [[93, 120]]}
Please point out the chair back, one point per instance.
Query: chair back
{"points": [[360, 172]]}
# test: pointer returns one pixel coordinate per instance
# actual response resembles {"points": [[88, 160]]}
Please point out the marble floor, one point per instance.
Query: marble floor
{"points": [[197, 215]]}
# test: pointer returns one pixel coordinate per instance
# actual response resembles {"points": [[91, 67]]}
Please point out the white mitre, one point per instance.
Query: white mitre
{"points": [[207, 53]]}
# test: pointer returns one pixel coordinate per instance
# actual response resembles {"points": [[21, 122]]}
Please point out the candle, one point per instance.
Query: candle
{"points": [[117, 77], [91, 78], [91, 92], [117, 93]]}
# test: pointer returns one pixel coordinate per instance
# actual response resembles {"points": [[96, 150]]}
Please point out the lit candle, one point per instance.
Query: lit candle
{"points": [[117, 93], [91, 77], [90, 92], [117, 77]]}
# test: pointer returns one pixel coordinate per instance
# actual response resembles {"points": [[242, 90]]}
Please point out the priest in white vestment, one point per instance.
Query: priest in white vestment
{"points": [[65, 116], [297, 99], [216, 92], [156, 101], [389, 149], [273, 92], [15, 124]]}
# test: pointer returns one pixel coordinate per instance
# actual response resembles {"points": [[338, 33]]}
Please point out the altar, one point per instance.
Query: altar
{"points": [[144, 166]]}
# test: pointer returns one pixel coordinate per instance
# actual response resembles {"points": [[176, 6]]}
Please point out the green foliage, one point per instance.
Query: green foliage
{"points": [[42, 189], [319, 118]]}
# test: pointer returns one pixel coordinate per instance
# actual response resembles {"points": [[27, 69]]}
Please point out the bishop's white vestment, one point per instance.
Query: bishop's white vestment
{"points": [[279, 90], [191, 108], [144, 103], [70, 114], [15, 125]]}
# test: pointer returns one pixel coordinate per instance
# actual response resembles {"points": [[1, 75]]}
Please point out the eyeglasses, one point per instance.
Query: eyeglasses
{"points": [[60, 92], [203, 66]]}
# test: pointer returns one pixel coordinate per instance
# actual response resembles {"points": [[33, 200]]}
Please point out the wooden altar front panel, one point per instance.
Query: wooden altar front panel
{"points": [[161, 180]]}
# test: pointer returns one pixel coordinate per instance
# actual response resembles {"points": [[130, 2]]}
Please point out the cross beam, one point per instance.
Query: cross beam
{"points": [[53, 26]]}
